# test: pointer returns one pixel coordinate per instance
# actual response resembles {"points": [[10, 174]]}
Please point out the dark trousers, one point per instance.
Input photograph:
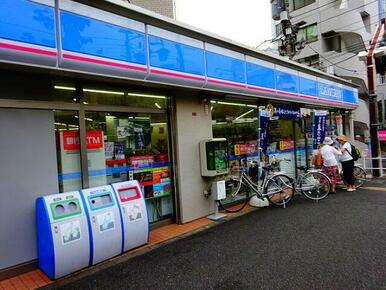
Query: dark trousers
{"points": [[348, 172]]}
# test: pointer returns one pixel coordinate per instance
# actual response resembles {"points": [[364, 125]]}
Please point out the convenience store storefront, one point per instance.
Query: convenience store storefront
{"points": [[81, 110], [290, 132]]}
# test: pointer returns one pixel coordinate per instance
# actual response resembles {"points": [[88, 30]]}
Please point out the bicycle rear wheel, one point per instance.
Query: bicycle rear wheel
{"points": [[279, 190], [237, 196], [315, 185], [360, 176]]}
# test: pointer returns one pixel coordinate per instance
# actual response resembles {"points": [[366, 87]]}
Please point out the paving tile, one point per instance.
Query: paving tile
{"points": [[18, 283], [7, 285]]}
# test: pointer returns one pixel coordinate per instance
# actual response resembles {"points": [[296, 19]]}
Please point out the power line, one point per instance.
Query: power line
{"points": [[273, 36], [344, 12], [335, 64]]}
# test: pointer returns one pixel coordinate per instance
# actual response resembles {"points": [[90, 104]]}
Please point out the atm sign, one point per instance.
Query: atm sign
{"points": [[94, 140]]}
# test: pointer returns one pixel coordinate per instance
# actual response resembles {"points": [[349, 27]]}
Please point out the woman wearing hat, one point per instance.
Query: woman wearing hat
{"points": [[347, 162], [330, 163]]}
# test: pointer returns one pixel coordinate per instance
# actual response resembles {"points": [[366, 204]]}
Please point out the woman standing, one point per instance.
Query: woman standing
{"points": [[347, 162], [330, 163]]}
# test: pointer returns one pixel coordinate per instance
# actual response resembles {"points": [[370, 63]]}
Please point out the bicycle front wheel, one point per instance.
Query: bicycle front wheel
{"points": [[360, 176], [315, 185], [237, 196], [279, 190]]}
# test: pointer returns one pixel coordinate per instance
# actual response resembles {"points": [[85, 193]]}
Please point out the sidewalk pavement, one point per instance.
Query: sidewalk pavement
{"points": [[159, 236]]}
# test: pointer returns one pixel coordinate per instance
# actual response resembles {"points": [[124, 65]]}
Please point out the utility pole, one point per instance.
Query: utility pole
{"points": [[373, 100], [288, 44]]}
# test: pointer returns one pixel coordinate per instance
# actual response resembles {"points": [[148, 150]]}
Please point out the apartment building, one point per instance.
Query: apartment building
{"points": [[334, 33]]}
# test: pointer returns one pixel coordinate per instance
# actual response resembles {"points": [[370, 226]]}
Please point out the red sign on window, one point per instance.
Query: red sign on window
{"points": [[94, 140]]}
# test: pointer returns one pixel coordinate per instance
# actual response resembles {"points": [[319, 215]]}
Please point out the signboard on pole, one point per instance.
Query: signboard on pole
{"points": [[319, 128], [264, 116]]}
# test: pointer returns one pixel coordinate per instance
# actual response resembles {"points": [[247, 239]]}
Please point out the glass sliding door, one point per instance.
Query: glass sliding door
{"points": [[132, 146]]}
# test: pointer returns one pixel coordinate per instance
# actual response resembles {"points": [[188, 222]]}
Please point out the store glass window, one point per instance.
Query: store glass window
{"points": [[281, 144], [132, 146], [237, 122], [68, 150]]}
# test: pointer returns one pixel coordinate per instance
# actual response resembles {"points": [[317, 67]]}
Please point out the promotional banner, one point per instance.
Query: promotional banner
{"points": [[264, 116], [284, 112], [319, 128]]}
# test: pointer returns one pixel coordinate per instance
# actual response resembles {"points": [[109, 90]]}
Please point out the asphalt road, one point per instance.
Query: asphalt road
{"points": [[339, 243]]}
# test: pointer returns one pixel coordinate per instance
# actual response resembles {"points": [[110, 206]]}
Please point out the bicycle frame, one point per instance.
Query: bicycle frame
{"points": [[297, 186], [256, 188]]}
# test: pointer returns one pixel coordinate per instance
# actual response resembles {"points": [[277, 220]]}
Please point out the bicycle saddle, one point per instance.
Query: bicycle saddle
{"points": [[302, 168]]}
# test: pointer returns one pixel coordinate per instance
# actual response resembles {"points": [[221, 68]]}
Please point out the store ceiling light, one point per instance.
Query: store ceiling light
{"points": [[158, 106], [246, 113], [142, 118], [146, 96], [65, 88], [158, 124], [235, 104], [104, 92]]}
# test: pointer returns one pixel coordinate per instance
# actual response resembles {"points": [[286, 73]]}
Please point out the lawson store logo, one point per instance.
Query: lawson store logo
{"points": [[330, 92]]}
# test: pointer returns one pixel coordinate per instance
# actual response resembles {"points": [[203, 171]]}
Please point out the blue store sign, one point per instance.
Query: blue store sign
{"points": [[284, 112]]}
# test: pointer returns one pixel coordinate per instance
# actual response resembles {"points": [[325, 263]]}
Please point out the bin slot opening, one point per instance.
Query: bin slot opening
{"points": [[129, 193], [101, 201], [65, 209]]}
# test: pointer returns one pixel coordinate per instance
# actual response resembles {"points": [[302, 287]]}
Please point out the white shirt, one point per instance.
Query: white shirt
{"points": [[346, 156], [329, 155]]}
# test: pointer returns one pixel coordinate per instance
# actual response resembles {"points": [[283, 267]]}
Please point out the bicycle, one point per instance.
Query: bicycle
{"points": [[312, 183], [359, 175], [276, 187]]}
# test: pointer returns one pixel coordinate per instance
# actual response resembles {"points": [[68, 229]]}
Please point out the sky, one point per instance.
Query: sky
{"points": [[244, 21]]}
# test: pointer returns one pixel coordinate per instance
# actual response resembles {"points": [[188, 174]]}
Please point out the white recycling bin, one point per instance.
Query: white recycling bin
{"points": [[134, 214], [105, 223], [62, 234]]}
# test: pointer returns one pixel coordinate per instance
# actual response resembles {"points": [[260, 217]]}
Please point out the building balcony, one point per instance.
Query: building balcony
{"points": [[348, 24]]}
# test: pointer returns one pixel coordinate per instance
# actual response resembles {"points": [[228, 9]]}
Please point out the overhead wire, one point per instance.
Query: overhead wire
{"points": [[274, 36]]}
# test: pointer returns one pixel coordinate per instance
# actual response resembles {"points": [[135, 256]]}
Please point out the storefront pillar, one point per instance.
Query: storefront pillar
{"points": [[193, 124], [349, 125]]}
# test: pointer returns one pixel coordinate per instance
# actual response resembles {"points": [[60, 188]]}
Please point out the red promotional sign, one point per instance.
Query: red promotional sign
{"points": [[382, 135], [339, 120], [94, 140]]}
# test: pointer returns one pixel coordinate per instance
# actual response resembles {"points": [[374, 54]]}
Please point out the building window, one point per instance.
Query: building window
{"points": [[297, 4], [312, 61], [308, 33]]}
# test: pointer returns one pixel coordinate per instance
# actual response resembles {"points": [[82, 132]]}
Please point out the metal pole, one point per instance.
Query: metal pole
{"points": [[373, 104]]}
